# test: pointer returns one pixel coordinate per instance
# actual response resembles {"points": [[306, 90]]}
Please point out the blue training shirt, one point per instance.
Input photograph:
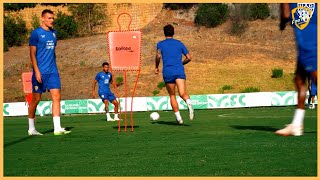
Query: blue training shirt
{"points": [[306, 37], [171, 52], [104, 80], [45, 42]]}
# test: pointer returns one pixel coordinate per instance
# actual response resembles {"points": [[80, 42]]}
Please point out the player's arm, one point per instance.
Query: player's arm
{"points": [[33, 52], [284, 15], [158, 58], [187, 60], [94, 84]]}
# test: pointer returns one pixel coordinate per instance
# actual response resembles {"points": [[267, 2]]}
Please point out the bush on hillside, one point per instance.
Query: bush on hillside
{"points": [[5, 46], [17, 6], [250, 89], [14, 31], [66, 26], [161, 85], [155, 92], [176, 6], [211, 15], [277, 73], [258, 11]]}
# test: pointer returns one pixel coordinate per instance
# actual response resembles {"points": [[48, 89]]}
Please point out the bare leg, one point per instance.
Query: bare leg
{"points": [[32, 114], [116, 106], [173, 101], [181, 84], [300, 86], [171, 91], [296, 126], [56, 97], [33, 105], [314, 75], [116, 109]]}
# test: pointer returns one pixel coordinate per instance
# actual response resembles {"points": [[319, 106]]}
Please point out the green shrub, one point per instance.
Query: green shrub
{"points": [[66, 26], [5, 46], [15, 31], [277, 73], [176, 6], [35, 22], [161, 85], [226, 87], [250, 89], [82, 63], [119, 80], [155, 92], [211, 15], [17, 6], [259, 11]]}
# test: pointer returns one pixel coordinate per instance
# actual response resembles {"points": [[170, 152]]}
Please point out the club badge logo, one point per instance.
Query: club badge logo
{"points": [[302, 14]]}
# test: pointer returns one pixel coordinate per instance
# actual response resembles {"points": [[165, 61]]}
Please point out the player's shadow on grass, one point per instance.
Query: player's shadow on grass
{"points": [[263, 128], [169, 123], [29, 137], [257, 128]]}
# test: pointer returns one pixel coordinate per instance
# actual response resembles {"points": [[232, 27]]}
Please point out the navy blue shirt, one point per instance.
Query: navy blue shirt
{"points": [[171, 52], [304, 22], [104, 80], [45, 41]]}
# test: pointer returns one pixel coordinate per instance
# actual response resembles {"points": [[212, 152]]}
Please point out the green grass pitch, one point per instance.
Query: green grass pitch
{"points": [[219, 142]]}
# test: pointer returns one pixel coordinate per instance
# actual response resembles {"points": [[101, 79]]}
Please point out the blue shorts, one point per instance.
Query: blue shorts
{"points": [[172, 78], [107, 96], [49, 81], [309, 65]]}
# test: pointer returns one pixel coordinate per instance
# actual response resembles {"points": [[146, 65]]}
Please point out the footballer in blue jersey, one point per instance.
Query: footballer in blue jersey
{"points": [[43, 41], [171, 52], [104, 79], [303, 18]]}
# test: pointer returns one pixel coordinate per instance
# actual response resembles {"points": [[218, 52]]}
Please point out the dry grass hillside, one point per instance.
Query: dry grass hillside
{"points": [[218, 59]]}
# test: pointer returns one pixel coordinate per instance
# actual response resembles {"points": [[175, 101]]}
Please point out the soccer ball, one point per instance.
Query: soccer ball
{"points": [[154, 116]]}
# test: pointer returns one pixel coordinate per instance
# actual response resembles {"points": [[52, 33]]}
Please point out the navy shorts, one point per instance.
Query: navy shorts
{"points": [[172, 78], [49, 81], [107, 96], [309, 65]]}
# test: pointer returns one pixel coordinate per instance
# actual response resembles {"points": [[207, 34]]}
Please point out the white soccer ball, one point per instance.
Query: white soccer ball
{"points": [[154, 116]]}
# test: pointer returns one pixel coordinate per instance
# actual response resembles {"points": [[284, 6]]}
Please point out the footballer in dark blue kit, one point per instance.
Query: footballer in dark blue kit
{"points": [[171, 51], [43, 41], [303, 18], [104, 79]]}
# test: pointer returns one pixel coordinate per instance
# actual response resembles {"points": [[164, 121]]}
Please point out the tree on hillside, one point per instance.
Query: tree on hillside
{"points": [[88, 16]]}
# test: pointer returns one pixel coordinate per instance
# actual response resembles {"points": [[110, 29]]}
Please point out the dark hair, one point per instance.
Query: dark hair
{"points": [[46, 11], [105, 63], [168, 30]]}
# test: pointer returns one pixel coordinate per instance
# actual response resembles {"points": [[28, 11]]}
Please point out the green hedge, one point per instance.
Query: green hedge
{"points": [[259, 11], [66, 26], [211, 15], [176, 6], [15, 31]]}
